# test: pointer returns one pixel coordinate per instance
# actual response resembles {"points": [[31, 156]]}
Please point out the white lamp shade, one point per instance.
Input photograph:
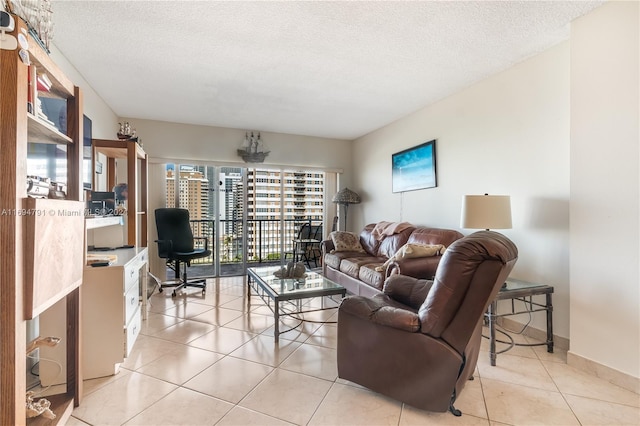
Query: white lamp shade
{"points": [[486, 212]]}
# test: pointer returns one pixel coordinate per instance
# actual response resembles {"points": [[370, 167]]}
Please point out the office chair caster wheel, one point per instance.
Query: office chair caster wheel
{"points": [[203, 292], [160, 290], [173, 294]]}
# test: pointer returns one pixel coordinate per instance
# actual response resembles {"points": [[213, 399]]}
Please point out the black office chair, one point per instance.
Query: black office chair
{"points": [[175, 243]]}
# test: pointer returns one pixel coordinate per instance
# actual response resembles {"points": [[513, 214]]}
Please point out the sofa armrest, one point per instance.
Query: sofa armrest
{"points": [[377, 311], [409, 291]]}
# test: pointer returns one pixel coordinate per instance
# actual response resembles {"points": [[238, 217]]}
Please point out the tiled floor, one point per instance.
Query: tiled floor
{"points": [[212, 361]]}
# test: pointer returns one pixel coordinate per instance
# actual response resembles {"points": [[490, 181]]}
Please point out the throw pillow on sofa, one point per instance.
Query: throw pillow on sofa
{"points": [[346, 241], [409, 251]]}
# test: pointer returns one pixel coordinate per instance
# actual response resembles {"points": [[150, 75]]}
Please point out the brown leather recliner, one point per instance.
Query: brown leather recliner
{"points": [[418, 342]]}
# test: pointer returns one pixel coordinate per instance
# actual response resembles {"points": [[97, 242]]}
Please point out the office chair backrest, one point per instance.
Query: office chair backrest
{"points": [[173, 225]]}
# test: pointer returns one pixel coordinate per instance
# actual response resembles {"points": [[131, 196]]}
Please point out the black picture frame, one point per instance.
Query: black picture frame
{"points": [[414, 168]]}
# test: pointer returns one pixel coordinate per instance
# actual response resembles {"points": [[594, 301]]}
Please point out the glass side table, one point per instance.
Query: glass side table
{"points": [[524, 292]]}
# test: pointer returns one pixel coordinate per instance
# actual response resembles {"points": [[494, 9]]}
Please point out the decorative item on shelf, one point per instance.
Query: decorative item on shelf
{"points": [[126, 133], [38, 187], [486, 212], [37, 14], [253, 150], [345, 197], [42, 406]]}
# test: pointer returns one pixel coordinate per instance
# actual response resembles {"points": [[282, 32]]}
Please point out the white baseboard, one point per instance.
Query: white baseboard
{"points": [[609, 374]]}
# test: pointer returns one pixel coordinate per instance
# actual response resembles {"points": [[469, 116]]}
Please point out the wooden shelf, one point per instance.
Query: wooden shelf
{"points": [[41, 248], [42, 132], [136, 159]]}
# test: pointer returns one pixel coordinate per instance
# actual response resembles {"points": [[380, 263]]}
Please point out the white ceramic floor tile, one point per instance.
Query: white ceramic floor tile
{"points": [[92, 385], [253, 323], [471, 399], [575, 382], [180, 365], [413, 417], [523, 405], [326, 335], [244, 417], [229, 379], [121, 400], [146, 350], [516, 369], [293, 329], [357, 407], [524, 388], [314, 361], [187, 309], [185, 331], [595, 412], [157, 322], [287, 396], [558, 355], [264, 350], [182, 407], [73, 421], [222, 340], [218, 316]]}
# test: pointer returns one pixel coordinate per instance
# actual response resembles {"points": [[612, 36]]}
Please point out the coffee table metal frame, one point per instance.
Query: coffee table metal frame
{"points": [[268, 293]]}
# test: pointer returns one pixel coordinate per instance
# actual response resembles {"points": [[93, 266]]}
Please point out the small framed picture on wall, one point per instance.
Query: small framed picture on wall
{"points": [[414, 168]]}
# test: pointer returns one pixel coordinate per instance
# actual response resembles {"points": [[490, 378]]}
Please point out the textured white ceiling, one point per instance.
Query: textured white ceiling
{"points": [[331, 69]]}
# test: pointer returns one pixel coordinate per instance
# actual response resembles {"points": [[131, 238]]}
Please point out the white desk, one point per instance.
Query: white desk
{"points": [[111, 315]]}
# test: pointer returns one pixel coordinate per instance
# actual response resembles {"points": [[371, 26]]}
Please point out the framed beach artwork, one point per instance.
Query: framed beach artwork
{"points": [[414, 168]]}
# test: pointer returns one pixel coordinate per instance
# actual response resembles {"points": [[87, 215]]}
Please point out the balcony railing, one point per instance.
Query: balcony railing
{"points": [[265, 241]]}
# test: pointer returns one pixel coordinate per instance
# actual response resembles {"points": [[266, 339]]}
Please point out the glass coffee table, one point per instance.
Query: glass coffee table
{"points": [[278, 290]]}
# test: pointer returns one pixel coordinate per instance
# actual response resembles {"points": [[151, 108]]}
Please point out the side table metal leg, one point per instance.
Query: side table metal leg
{"points": [[549, 323], [276, 317], [248, 293], [492, 332]]}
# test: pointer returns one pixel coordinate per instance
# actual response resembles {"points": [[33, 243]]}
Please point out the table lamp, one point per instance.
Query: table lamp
{"points": [[486, 212], [345, 197]]}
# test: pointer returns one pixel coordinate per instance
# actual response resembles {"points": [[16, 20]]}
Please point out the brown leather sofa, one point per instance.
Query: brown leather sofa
{"points": [[418, 342], [361, 273]]}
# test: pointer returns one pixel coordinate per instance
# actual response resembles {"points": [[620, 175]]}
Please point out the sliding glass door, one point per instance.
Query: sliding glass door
{"points": [[249, 216]]}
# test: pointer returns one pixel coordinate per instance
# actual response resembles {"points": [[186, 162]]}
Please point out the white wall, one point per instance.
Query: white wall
{"points": [[605, 189], [508, 134], [104, 122], [164, 140]]}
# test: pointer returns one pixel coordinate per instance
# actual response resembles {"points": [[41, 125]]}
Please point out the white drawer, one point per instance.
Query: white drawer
{"points": [[131, 333], [131, 301], [131, 275]]}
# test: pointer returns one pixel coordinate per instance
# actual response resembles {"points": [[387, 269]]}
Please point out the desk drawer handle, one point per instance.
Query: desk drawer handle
{"points": [[132, 272], [133, 300]]}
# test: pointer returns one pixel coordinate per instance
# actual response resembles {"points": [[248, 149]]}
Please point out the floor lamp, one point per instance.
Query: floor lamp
{"points": [[345, 197], [486, 212]]}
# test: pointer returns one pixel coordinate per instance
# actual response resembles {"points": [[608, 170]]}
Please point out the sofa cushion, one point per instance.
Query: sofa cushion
{"points": [[351, 266], [346, 241], [334, 259], [409, 251], [368, 241], [369, 274], [430, 236], [392, 243]]}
